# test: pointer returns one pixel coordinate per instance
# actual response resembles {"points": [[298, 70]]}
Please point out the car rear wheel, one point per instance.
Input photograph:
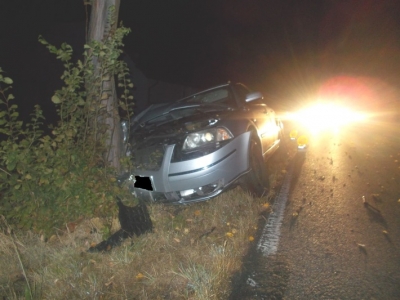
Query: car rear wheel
{"points": [[256, 181]]}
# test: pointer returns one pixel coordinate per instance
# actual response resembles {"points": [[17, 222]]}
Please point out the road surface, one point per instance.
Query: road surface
{"points": [[339, 237]]}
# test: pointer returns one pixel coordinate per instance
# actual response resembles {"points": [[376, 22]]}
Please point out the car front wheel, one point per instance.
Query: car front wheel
{"points": [[256, 181]]}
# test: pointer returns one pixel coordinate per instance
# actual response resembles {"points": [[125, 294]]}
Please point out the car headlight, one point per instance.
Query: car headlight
{"points": [[209, 136]]}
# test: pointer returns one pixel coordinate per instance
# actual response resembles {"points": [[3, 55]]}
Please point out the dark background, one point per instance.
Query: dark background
{"points": [[285, 49]]}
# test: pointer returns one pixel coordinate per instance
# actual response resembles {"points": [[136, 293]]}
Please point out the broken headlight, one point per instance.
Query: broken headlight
{"points": [[204, 137]]}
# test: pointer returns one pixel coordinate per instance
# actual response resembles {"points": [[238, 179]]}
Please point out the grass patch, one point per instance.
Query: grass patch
{"points": [[192, 253]]}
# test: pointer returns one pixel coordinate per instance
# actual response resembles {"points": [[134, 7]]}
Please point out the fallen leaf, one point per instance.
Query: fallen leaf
{"points": [[53, 238], [71, 227], [266, 205], [139, 276], [108, 283], [376, 197]]}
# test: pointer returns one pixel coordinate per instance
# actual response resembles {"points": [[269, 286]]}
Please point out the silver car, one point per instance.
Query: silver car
{"points": [[195, 148]]}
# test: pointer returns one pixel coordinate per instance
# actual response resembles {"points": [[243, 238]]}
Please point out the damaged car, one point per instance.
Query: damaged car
{"points": [[195, 148]]}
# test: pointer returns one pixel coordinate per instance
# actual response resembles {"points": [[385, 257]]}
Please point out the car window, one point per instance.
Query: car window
{"points": [[241, 92]]}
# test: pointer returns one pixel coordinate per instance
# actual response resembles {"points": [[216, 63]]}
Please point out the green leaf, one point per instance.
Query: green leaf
{"points": [[7, 80], [56, 99], [42, 40]]}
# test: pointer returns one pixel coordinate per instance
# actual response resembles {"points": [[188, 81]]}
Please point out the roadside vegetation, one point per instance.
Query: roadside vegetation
{"points": [[58, 197], [192, 253]]}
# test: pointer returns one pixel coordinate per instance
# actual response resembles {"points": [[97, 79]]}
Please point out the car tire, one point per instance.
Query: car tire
{"points": [[256, 182]]}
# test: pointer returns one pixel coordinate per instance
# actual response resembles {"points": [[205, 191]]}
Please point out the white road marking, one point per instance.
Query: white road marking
{"points": [[269, 239]]}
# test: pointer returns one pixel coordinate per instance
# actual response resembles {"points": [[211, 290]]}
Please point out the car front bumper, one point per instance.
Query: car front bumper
{"points": [[196, 179]]}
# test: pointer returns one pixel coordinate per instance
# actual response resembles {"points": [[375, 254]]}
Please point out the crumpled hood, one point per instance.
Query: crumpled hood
{"points": [[167, 126], [157, 110], [149, 139], [160, 119]]}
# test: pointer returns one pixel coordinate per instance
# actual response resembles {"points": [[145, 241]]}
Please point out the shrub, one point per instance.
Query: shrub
{"points": [[48, 180]]}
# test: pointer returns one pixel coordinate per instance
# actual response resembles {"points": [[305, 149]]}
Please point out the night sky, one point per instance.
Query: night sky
{"points": [[283, 48]]}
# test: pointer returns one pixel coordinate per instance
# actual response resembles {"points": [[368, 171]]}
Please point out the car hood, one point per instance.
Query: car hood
{"points": [[166, 125], [175, 115], [176, 110]]}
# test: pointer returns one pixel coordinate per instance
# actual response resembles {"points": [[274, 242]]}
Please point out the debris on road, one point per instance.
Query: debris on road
{"points": [[376, 197], [367, 205]]}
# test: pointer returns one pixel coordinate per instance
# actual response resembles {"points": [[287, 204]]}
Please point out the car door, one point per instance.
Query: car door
{"points": [[264, 119], [262, 116]]}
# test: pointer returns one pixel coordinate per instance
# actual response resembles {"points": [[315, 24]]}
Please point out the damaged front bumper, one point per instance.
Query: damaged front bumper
{"points": [[193, 180]]}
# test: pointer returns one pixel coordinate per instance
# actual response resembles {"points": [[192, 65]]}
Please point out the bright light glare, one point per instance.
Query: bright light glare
{"points": [[326, 116]]}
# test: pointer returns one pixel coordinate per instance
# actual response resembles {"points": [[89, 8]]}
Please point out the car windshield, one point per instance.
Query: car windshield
{"points": [[211, 100], [215, 96]]}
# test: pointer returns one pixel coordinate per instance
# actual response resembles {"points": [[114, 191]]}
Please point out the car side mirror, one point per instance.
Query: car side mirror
{"points": [[254, 96]]}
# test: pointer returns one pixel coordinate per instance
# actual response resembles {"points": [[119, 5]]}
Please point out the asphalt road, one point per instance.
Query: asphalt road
{"points": [[340, 232]]}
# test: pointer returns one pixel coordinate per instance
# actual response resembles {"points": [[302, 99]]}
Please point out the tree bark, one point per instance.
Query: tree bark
{"points": [[97, 31]]}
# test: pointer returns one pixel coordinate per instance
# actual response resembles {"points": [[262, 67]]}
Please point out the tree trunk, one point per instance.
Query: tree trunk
{"points": [[97, 31]]}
